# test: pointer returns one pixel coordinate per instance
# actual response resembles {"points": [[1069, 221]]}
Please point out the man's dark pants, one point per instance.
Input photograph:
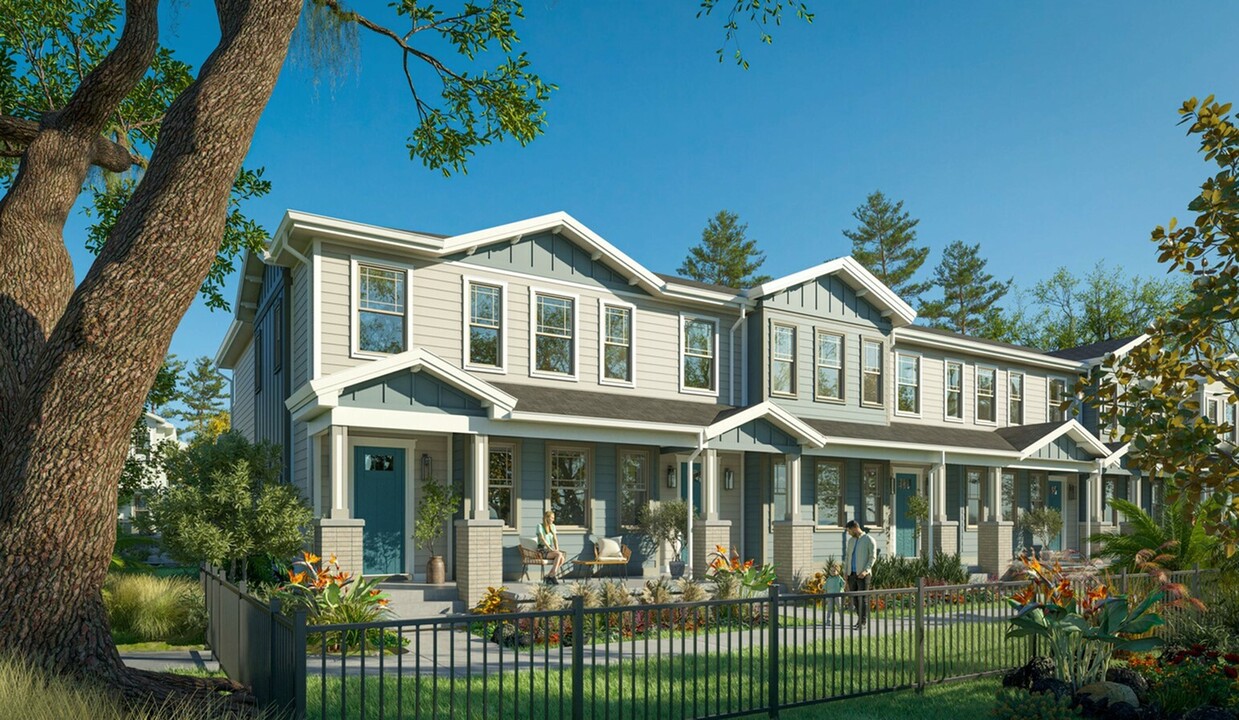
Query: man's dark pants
{"points": [[860, 584]]}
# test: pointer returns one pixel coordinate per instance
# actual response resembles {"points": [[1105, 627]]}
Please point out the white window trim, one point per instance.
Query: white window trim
{"points": [[841, 509], [515, 447], [603, 304], [963, 397], [976, 395], [980, 496], [588, 527], [920, 383], [883, 391], [684, 317], [355, 262], [534, 292], [467, 282], [1049, 398], [651, 462], [878, 523], [774, 325], [1023, 397], [842, 365]]}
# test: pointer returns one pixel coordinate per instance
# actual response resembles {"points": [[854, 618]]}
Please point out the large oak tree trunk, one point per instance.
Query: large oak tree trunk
{"points": [[75, 364]]}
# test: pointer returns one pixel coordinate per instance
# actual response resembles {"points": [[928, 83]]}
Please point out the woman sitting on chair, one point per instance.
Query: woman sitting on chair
{"points": [[548, 545]]}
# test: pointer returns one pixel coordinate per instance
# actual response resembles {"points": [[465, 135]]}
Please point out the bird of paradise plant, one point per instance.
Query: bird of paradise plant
{"points": [[331, 596], [725, 566], [1082, 633]]}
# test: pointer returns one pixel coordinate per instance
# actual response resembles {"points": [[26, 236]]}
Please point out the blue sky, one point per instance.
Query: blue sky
{"points": [[1044, 131]]}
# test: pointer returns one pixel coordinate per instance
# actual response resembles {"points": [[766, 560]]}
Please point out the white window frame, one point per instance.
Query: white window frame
{"points": [[878, 521], [650, 467], [1049, 399], [881, 402], [980, 495], [589, 483], [946, 390], [818, 365], [514, 449], [603, 304], [466, 317], [976, 382], [1023, 394], [919, 383], [354, 301], [775, 326], [684, 318], [534, 292], [840, 515]]}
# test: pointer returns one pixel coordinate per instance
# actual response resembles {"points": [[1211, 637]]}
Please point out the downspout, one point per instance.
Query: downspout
{"points": [[731, 358], [688, 536]]}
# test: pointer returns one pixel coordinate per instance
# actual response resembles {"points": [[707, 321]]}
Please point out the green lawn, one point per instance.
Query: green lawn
{"points": [[154, 646], [962, 700]]}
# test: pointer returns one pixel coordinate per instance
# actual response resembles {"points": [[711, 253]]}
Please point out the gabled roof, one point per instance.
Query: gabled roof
{"points": [[866, 284], [897, 433], [772, 414], [1098, 350], [1028, 439], [952, 341]]}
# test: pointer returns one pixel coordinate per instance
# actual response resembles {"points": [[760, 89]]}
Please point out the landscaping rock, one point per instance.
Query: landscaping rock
{"points": [[1054, 686], [1038, 668], [1108, 693], [1209, 712], [1132, 679], [503, 635]]}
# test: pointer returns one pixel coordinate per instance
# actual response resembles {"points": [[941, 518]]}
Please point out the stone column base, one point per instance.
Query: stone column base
{"points": [[706, 535], [341, 537], [479, 557], [994, 547], [793, 552], [946, 537]]}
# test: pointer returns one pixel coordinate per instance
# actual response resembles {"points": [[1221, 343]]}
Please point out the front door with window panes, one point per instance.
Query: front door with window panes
{"points": [[378, 498], [906, 483], [778, 503], [1055, 492]]}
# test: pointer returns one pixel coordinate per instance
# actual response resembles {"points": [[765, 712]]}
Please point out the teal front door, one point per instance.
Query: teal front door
{"points": [[905, 525], [692, 480], [378, 498], [1054, 499]]}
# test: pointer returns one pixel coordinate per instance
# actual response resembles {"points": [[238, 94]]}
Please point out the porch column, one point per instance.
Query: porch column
{"points": [[337, 533], [994, 536], [946, 532], [479, 540], [793, 536], [710, 532], [1093, 495]]}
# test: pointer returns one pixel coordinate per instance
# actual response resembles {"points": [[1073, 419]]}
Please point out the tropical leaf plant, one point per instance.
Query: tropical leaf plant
{"points": [[1178, 541]]}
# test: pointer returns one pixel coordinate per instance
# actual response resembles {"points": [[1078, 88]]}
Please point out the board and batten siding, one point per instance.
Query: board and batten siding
{"points": [[299, 326]]}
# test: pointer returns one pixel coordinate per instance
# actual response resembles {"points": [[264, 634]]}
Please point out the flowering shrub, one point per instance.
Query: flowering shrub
{"points": [[1185, 679], [492, 602], [752, 578], [331, 596], [815, 584]]}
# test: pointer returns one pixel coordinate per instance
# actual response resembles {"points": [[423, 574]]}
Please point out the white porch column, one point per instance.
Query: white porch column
{"points": [[337, 532], [340, 503], [476, 506], [939, 493], [709, 485], [1093, 493], [793, 487]]}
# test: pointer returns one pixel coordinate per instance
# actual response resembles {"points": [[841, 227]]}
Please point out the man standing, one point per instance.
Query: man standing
{"points": [[858, 556]]}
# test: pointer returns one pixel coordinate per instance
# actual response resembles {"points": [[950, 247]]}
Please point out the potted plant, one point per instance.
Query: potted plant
{"points": [[918, 512], [436, 506], [1044, 523], [666, 524]]}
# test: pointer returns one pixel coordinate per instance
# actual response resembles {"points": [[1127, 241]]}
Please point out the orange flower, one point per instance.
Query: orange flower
{"points": [[1024, 596], [310, 558], [748, 565], [720, 549], [296, 578]]}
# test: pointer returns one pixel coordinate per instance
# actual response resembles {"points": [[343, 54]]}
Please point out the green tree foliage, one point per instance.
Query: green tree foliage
{"points": [[761, 14], [436, 506], [884, 241], [1152, 391], [1175, 541], [969, 293], [145, 461], [725, 255], [225, 504], [204, 400]]}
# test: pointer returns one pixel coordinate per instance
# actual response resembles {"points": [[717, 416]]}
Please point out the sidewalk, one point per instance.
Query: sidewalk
{"points": [[169, 660]]}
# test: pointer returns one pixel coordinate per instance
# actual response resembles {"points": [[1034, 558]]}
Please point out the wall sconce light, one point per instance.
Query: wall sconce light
{"points": [[427, 466], [729, 479], [670, 476]]}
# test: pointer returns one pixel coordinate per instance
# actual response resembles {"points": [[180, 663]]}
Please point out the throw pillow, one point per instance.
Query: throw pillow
{"points": [[611, 548]]}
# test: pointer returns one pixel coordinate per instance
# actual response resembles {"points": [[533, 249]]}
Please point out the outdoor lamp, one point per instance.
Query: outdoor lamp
{"points": [[729, 479], [670, 476], [427, 466]]}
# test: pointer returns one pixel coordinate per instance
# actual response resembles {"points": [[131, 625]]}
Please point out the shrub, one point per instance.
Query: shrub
{"points": [[587, 591], [615, 594], [146, 608], [891, 571], [750, 578], [1217, 627], [691, 592], [545, 598], [492, 602], [657, 592], [1014, 704], [331, 596], [1185, 679]]}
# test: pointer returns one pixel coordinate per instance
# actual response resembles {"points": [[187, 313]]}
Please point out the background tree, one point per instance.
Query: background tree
{"points": [[203, 400], [1151, 391], [725, 255], [77, 359], [884, 241], [969, 293]]}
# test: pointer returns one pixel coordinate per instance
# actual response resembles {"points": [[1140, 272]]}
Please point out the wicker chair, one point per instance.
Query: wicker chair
{"points": [[531, 556]]}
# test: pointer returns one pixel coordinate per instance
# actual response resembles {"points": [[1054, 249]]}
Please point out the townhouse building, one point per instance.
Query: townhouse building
{"points": [[537, 366]]}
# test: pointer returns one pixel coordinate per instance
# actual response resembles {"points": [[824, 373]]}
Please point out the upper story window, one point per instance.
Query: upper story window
{"points": [[381, 309], [1058, 395], [1015, 398], [908, 384], [634, 485], [486, 332], [829, 479], [783, 360], [617, 344], [954, 390], [829, 382], [987, 379], [699, 357], [500, 484], [554, 347], [1212, 411], [871, 373]]}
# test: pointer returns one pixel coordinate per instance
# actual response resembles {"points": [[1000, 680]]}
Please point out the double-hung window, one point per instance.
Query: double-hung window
{"points": [[569, 488], [973, 481], [1211, 406], [1036, 490], [1058, 395], [617, 343], [871, 493], [1157, 499], [486, 325], [954, 390], [381, 309], [987, 379], [871, 373], [1015, 398], [829, 480], [500, 482], [554, 335], [829, 383], [634, 485], [908, 384], [698, 354], [783, 360], [1008, 496]]}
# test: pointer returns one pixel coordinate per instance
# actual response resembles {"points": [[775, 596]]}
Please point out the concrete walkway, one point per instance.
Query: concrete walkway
{"points": [[169, 660]]}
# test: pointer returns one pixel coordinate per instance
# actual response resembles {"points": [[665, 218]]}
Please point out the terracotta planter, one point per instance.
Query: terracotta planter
{"points": [[436, 572]]}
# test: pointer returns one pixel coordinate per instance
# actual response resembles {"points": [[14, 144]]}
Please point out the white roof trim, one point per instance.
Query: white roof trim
{"points": [[1073, 428], [223, 356], [973, 347], [1119, 351], [875, 291], [775, 415], [1117, 456]]}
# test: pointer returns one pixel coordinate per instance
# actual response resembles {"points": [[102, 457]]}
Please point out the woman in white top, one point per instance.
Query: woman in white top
{"points": [[548, 544]]}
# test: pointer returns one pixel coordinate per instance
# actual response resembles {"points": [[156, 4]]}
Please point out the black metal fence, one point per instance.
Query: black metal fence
{"points": [[710, 659]]}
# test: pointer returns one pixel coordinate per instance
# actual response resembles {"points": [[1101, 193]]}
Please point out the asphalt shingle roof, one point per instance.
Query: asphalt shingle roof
{"points": [[611, 406], [1092, 350], [973, 338], [697, 283]]}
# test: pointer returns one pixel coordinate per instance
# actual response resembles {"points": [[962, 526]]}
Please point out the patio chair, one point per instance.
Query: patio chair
{"points": [[619, 560], [531, 556]]}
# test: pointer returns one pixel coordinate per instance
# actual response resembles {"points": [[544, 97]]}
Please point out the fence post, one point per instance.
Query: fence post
{"points": [[1196, 580], [299, 669], [578, 658], [920, 634], [772, 676], [1123, 582]]}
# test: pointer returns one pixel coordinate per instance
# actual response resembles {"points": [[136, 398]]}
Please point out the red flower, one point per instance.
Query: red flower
{"points": [[1232, 658], [1232, 672]]}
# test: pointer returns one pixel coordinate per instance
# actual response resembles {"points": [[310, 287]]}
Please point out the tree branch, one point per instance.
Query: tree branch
{"points": [[18, 133]]}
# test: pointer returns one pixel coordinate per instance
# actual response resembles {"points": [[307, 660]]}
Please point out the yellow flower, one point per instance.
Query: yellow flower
{"points": [[310, 558]]}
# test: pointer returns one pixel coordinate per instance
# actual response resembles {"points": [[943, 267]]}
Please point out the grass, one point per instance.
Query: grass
{"points": [[154, 646], [668, 686], [953, 701], [147, 608]]}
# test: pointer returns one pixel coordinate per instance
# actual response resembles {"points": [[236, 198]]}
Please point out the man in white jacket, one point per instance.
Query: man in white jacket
{"points": [[858, 557]]}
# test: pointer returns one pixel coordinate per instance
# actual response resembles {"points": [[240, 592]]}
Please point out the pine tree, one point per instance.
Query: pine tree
{"points": [[725, 255], [970, 295], [204, 398], [884, 242]]}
